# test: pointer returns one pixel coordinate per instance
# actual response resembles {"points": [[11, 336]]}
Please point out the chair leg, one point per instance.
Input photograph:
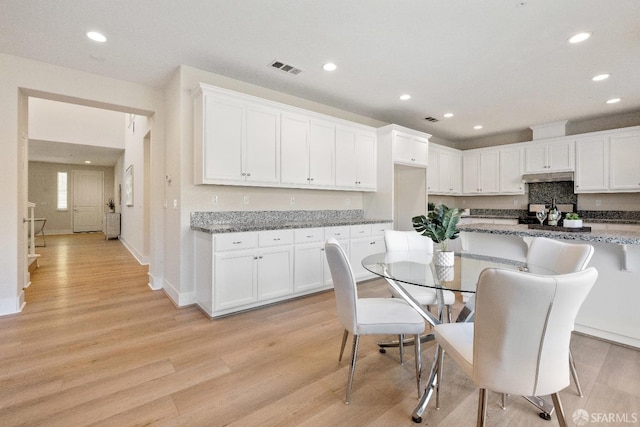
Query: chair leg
{"points": [[356, 338], [401, 346], [482, 407], [574, 374], [504, 400], [440, 369], [418, 363], [557, 404], [344, 342], [450, 313]]}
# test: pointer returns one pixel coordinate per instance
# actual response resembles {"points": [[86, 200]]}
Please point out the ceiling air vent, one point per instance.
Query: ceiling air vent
{"points": [[431, 119], [286, 67]]}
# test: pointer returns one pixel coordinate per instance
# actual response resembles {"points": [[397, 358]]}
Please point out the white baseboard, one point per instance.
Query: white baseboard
{"points": [[12, 305], [608, 336], [180, 299]]}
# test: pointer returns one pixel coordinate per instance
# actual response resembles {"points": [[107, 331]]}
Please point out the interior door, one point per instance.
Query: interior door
{"points": [[87, 200]]}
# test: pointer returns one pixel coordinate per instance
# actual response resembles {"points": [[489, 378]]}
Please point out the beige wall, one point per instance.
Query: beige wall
{"points": [[43, 192]]}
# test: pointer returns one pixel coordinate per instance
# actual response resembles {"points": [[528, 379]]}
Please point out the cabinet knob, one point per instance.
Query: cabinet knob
{"points": [[255, 257], [260, 257], [248, 174]]}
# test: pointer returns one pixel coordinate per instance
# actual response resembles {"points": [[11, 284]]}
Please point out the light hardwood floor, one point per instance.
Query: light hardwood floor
{"points": [[95, 346]]}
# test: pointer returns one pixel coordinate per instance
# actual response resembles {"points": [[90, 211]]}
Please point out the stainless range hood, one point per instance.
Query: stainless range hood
{"points": [[547, 177]]}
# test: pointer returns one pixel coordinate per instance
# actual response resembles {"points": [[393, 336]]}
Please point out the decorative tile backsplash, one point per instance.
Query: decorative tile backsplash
{"points": [[543, 192]]}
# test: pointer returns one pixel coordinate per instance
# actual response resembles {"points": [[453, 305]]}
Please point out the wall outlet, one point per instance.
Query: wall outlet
{"points": [[598, 202], [214, 200], [348, 201], [292, 201], [245, 200], [515, 202], [175, 204]]}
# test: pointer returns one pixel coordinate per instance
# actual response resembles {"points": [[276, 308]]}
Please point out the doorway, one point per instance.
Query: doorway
{"points": [[88, 188]]}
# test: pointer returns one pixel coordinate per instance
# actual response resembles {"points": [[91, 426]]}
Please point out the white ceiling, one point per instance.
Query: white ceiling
{"points": [[504, 64], [73, 154]]}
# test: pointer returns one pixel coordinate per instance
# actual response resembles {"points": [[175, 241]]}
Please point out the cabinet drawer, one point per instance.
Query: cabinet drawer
{"points": [[339, 233], [275, 238], [363, 230], [306, 235], [234, 241], [378, 229]]}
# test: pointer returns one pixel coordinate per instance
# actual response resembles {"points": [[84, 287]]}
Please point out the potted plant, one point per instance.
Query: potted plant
{"points": [[111, 205], [572, 220], [440, 225]]}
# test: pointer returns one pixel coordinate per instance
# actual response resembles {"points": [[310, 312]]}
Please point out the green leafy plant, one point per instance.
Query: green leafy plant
{"points": [[572, 215], [440, 225]]}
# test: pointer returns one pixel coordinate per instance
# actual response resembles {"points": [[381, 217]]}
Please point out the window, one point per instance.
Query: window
{"points": [[62, 191]]}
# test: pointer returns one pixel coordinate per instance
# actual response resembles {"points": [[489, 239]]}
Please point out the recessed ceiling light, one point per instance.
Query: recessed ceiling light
{"points": [[87, 161], [614, 100], [600, 77], [405, 97], [96, 37], [580, 37], [447, 115], [329, 66], [476, 127]]}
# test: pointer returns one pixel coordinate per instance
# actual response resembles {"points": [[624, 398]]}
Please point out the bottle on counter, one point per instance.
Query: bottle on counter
{"points": [[554, 213]]}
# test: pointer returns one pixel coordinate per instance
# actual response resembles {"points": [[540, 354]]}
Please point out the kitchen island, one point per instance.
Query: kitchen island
{"points": [[610, 311]]}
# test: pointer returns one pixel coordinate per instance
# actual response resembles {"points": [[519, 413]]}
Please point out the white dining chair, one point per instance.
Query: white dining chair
{"points": [[560, 257], [412, 241], [520, 338], [369, 316]]}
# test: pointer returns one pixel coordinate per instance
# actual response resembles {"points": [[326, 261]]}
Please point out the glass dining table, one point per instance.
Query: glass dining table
{"points": [[418, 268]]}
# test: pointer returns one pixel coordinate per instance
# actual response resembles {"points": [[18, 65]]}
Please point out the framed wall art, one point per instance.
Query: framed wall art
{"points": [[128, 186]]}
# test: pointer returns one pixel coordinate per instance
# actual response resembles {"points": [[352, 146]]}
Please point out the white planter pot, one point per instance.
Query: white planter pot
{"points": [[572, 223], [445, 273], [443, 258]]}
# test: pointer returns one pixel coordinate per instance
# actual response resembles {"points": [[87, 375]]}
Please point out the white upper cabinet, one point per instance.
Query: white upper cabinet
{"points": [[322, 146], [294, 149], [510, 170], [355, 159], [307, 151], [244, 140], [444, 175], [410, 149], [592, 169], [624, 163], [480, 172], [261, 160], [222, 132], [237, 141], [549, 156]]}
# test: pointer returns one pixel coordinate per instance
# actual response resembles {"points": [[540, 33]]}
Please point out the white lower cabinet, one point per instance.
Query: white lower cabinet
{"points": [[365, 240], [239, 271]]}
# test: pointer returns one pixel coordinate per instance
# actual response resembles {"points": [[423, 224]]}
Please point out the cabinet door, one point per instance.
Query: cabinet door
{"points": [[322, 142], [433, 171], [536, 158], [262, 153], [294, 150], [489, 176], [561, 156], [275, 272], [624, 168], [235, 279], [366, 161], [223, 139], [359, 249], [455, 172], [309, 267], [401, 146], [345, 158], [470, 173], [591, 165], [511, 171]]}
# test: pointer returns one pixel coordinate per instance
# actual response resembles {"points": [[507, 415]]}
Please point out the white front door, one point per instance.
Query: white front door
{"points": [[87, 200]]}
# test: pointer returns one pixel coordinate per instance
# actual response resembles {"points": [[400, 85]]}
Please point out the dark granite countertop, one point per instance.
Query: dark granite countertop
{"points": [[628, 237], [262, 226]]}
